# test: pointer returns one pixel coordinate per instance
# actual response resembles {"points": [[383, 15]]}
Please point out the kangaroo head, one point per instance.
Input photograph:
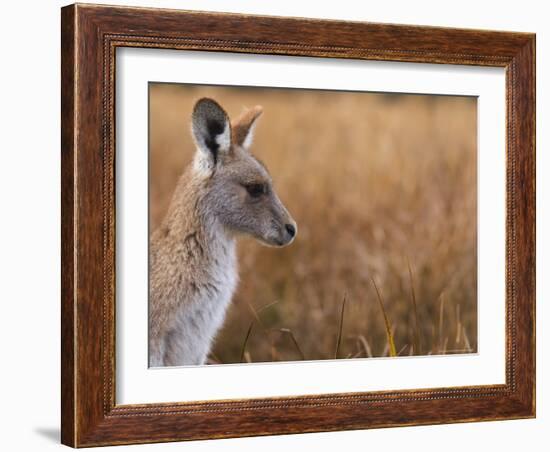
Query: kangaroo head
{"points": [[239, 191]]}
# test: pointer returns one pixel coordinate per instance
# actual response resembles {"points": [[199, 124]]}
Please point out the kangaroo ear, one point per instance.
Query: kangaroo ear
{"points": [[211, 129], [243, 126]]}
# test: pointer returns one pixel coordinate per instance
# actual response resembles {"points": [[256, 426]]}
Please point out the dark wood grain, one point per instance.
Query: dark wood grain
{"points": [[90, 36], [68, 332]]}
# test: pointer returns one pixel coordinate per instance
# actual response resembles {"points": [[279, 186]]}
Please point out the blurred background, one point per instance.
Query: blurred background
{"points": [[383, 188]]}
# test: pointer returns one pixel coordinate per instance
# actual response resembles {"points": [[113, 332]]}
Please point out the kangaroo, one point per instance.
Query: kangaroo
{"points": [[224, 193]]}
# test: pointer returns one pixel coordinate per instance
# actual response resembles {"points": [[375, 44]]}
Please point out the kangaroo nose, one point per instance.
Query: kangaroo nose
{"points": [[290, 229]]}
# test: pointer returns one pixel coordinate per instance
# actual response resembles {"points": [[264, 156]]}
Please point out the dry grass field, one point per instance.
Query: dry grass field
{"points": [[383, 188]]}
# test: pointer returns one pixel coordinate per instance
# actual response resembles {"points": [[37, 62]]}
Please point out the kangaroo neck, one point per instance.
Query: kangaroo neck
{"points": [[194, 230]]}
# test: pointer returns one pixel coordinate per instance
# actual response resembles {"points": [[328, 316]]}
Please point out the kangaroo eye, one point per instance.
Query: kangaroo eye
{"points": [[256, 190]]}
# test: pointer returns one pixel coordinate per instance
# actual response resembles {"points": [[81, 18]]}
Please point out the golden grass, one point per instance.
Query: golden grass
{"points": [[389, 334], [383, 187]]}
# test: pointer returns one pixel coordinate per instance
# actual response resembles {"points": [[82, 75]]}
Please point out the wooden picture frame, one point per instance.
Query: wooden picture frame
{"points": [[90, 35]]}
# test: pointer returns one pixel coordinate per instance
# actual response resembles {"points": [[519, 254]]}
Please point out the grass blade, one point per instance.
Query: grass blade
{"points": [[466, 341], [256, 314], [389, 334], [413, 299], [243, 349], [366, 345], [458, 324], [340, 327], [441, 312], [214, 358], [291, 334], [267, 306]]}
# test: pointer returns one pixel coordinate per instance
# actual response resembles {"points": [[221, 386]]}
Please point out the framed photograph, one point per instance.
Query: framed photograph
{"points": [[282, 225]]}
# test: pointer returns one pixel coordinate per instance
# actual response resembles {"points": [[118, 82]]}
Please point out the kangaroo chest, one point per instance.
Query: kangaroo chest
{"points": [[201, 314]]}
